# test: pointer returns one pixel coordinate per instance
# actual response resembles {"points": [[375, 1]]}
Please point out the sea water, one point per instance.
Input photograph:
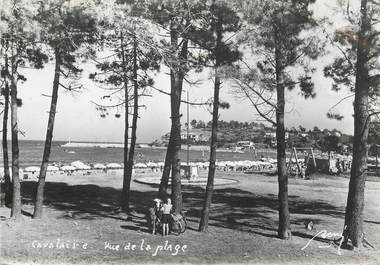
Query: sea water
{"points": [[31, 154]]}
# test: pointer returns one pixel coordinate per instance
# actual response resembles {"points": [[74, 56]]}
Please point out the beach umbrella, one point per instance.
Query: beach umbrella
{"points": [[140, 165], [32, 169], [202, 164], [99, 166], [221, 164], [80, 165], [205, 164], [151, 164], [77, 163], [230, 163], [68, 168], [114, 165], [239, 164], [86, 167], [52, 168], [247, 163]]}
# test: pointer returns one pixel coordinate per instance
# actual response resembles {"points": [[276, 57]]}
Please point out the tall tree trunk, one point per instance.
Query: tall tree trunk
{"points": [[163, 189], [211, 171], [134, 120], [214, 133], [284, 231], [7, 178], [16, 192], [176, 162], [176, 78], [355, 200], [49, 137], [126, 180]]}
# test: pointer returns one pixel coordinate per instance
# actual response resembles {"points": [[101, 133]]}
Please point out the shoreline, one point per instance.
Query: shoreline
{"points": [[204, 148]]}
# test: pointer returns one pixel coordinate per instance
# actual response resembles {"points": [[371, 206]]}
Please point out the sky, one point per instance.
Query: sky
{"points": [[78, 120]]}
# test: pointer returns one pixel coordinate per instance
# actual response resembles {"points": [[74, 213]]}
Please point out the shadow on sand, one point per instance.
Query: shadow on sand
{"points": [[232, 208]]}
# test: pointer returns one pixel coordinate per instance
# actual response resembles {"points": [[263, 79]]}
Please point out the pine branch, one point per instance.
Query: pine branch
{"points": [[182, 101], [108, 106], [262, 114], [340, 101], [242, 84], [352, 65]]}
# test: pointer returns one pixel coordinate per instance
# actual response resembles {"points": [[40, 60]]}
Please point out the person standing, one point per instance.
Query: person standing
{"points": [[166, 216]]}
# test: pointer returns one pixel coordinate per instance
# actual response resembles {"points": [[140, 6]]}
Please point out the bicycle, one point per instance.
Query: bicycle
{"points": [[180, 222]]}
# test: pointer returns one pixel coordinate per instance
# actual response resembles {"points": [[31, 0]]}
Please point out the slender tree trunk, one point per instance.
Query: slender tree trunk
{"points": [[49, 137], [126, 180], [176, 78], [203, 225], [16, 193], [134, 120], [355, 201], [176, 162], [284, 231], [211, 171], [163, 189], [7, 178]]}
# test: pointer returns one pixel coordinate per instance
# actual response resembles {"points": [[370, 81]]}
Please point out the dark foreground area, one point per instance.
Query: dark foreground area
{"points": [[80, 225]]}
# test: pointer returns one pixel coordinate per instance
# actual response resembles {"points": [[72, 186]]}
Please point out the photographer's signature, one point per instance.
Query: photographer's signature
{"points": [[331, 236]]}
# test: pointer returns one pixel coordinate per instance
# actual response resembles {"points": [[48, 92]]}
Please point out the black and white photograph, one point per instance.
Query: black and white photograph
{"points": [[190, 132]]}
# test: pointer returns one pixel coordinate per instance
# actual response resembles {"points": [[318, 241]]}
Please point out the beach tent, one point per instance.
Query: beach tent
{"points": [[230, 163], [68, 168], [80, 165], [52, 168], [140, 165], [220, 163], [202, 164], [99, 166], [114, 165], [151, 164], [32, 169]]}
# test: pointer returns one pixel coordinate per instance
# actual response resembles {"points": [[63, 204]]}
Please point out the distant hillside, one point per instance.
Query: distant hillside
{"points": [[263, 136]]}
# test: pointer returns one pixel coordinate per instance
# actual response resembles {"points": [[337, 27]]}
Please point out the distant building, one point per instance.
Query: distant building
{"points": [[272, 135], [192, 136], [196, 135]]}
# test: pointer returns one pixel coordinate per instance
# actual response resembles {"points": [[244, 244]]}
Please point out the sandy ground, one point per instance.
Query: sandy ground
{"points": [[80, 225]]}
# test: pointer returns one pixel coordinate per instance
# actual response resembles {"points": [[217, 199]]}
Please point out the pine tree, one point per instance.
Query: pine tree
{"points": [[218, 20], [20, 47], [65, 26], [276, 35], [175, 18], [131, 59], [358, 69]]}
